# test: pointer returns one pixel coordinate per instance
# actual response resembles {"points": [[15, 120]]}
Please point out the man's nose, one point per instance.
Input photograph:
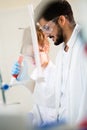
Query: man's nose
{"points": [[47, 34]]}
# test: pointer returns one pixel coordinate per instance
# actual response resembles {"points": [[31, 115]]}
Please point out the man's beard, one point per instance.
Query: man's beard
{"points": [[58, 41], [60, 38]]}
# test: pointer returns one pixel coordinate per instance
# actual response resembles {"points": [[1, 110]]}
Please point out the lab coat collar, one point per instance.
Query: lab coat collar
{"points": [[73, 37]]}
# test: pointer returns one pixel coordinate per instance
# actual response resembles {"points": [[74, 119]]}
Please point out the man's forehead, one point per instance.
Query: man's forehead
{"points": [[42, 21]]}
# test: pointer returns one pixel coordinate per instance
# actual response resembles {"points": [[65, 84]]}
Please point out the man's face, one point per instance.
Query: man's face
{"points": [[52, 30]]}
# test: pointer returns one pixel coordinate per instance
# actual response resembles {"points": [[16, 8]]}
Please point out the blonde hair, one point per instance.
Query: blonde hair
{"points": [[42, 39]]}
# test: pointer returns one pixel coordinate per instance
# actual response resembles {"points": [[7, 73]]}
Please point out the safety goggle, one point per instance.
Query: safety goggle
{"points": [[48, 28]]}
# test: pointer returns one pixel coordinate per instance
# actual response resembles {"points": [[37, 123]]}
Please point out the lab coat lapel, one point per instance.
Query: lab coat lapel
{"points": [[58, 78], [73, 87], [76, 85]]}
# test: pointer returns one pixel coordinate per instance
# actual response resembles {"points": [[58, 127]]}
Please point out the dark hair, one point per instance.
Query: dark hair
{"points": [[56, 8]]}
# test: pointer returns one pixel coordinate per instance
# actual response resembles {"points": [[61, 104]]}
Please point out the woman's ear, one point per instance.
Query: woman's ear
{"points": [[61, 20]]}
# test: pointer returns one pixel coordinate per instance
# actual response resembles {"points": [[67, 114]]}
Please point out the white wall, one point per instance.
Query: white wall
{"points": [[10, 44], [80, 9]]}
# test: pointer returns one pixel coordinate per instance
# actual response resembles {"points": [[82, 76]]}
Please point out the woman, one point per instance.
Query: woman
{"points": [[43, 111]]}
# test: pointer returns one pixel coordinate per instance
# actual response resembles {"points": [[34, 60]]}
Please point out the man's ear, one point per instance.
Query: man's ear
{"points": [[61, 20]]}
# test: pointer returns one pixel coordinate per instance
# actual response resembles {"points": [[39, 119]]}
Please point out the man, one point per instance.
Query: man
{"points": [[57, 21]]}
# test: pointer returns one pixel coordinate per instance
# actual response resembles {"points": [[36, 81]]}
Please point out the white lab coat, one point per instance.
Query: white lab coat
{"points": [[44, 96], [44, 106], [76, 79]]}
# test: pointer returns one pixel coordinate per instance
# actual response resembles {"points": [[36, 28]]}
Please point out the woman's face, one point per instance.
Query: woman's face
{"points": [[45, 47], [43, 51]]}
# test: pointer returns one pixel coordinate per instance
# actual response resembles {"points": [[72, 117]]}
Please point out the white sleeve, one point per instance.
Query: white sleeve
{"points": [[34, 75]]}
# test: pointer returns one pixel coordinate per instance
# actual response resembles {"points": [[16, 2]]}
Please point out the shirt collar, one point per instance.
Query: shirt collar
{"points": [[73, 37]]}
